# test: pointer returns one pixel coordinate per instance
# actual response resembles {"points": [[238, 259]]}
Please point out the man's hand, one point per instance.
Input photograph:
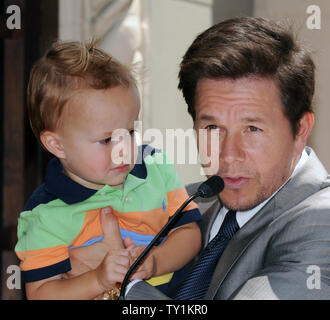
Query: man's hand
{"points": [[89, 258], [112, 238]]}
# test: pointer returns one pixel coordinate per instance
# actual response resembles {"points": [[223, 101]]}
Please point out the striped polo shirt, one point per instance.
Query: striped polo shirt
{"points": [[62, 214]]}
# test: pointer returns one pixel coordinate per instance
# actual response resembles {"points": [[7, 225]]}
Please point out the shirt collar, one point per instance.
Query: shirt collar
{"points": [[64, 188], [140, 169], [69, 191]]}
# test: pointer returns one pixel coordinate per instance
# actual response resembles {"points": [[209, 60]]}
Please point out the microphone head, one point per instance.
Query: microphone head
{"points": [[211, 187]]}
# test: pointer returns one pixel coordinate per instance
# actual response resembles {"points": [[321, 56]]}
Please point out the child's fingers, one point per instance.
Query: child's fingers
{"points": [[119, 255], [116, 275], [141, 274], [120, 270], [123, 261], [129, 243], [113, 268], [138, 275], [136, 251], [145, 270]]}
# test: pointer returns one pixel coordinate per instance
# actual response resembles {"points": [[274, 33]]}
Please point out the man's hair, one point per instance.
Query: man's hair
{"points": [[247, 46], [66, 67]]}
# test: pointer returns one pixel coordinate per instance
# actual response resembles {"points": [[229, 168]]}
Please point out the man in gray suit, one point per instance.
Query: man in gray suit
{"points": [[249, 88], [247, 82]]}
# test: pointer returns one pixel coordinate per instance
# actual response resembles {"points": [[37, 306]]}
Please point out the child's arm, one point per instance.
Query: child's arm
{"points": [[86, 286], [181, 246]]}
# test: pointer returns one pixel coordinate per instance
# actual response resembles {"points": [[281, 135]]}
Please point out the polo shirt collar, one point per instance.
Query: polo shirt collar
{"points": [[63, 187], [69, 191], [140, 169]]}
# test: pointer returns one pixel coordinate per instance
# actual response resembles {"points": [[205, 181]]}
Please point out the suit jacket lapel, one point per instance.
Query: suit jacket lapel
{"points": [[306, 182], [208, 218], [237, 246]]}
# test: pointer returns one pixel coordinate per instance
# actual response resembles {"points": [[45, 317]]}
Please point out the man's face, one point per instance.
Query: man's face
{"points": [[257, 150]]}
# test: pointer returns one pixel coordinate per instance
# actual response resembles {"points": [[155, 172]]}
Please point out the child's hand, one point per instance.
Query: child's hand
{"points": [[147, 268], [113, 269]]}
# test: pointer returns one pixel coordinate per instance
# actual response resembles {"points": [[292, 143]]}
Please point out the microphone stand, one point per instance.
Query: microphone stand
{"points": [[162, 232]]}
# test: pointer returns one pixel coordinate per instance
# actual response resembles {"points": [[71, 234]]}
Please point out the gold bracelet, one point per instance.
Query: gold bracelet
{"points": [[112, 294]]}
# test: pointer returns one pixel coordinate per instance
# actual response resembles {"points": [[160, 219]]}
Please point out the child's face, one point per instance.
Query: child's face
{"points": [[91, 156]]}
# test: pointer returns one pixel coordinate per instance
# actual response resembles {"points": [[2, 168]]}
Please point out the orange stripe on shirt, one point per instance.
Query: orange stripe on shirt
{"points": [[176, 198], [145, 222], [91, 228], [40, 258], [150, 222]]}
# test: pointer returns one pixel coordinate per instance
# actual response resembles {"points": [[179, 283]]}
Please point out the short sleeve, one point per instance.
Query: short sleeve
{"points": [[42, 251]]}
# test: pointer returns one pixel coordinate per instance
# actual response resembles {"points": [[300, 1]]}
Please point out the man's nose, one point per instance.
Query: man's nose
{"points": [[231, 148]]}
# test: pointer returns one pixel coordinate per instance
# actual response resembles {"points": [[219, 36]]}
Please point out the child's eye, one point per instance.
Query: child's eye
{"points": [[132, 132], [105, 141]]}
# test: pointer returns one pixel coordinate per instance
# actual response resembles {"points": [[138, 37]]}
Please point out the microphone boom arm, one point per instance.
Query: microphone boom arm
{"points": [[170, 223]]}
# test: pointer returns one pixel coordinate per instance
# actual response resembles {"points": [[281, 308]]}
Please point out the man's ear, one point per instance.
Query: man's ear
{"points": [[52, 142], [305, 127]]}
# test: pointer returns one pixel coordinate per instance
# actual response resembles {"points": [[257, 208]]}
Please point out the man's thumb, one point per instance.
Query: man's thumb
{"points": [[106, 210]]}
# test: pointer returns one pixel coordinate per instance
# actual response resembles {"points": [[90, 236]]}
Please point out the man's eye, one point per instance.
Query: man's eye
{"points": [[253, 129], [212, 127], [105, 141]]}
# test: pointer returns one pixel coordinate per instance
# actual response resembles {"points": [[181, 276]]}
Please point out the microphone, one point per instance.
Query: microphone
{"points": [[211, 187], [207, 189]]}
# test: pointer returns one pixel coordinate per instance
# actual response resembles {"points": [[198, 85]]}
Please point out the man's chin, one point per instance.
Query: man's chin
{"points": [[240, 204]]}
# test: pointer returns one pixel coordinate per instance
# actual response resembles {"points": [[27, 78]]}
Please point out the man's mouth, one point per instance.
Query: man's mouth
{"points": [[235, 182]]}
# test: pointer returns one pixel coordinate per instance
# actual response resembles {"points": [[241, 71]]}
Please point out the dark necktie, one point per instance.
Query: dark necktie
{"points": [[195, 285]]}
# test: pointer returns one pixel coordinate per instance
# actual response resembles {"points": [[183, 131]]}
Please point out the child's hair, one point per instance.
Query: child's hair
{"points": [[68, 66]]}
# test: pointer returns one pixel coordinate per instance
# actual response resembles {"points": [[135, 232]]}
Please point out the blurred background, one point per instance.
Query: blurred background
{"points": [[150, 35]]}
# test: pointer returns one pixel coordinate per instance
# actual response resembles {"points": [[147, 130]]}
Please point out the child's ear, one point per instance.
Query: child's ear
{"points": [[52, 142]]}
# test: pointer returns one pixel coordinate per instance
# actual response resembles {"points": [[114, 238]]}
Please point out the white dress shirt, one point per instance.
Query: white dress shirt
{"points": [[244, 216]]}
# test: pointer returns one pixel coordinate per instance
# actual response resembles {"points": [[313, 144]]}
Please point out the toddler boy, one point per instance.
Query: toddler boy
{"points": [[82, 105]]}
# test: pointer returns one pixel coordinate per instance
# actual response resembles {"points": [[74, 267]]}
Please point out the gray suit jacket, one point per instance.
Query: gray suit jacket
{"points": [[283, 252]]}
